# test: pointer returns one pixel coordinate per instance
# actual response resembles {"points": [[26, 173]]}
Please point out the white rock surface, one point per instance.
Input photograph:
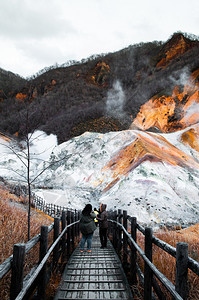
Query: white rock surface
{"points": [[154, 192]]}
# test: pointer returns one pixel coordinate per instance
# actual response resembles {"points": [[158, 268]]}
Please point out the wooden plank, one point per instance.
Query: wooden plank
{"points": [[42, 252], [93, 281], [6, 266], [106, 261], [25, 289], [63, 298], [101, 274], [163, 279], [17, 270], [148, 275], [97, 275], [93, 290], [94, 268], [93, 256], [193, 265], [133, 256], [182, 269]]}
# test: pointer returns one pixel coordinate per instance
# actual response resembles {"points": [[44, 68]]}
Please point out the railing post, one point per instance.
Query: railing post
{"points": [[133, 277], [63, 242], [147, 271], [125, 240], [181, 269], [110, 231], [73, 231], [17, 270], [119, 233], [42, 252], [60, 211], [75, 219], [56, 235], [68, 233], [114, 229], [78, 224]]}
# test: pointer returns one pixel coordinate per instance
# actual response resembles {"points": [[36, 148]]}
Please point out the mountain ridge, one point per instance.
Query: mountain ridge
{"points": [[68, 101]]}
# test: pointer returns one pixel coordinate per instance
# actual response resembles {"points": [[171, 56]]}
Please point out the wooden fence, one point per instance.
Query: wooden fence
{"points": [[127, 248], [50, 209], [62, 246], [37, 202]]}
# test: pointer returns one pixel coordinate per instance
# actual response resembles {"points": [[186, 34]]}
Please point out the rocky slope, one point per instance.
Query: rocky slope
{"points": [[106, 92], [170, 113], [153, 176]]}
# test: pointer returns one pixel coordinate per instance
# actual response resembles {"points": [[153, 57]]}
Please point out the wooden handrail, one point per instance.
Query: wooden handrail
{"points": [[120, 241], [40, 266], [22, 287], [52, 210], [163, 279], [7, 264], [192, 264], [179, 291]]}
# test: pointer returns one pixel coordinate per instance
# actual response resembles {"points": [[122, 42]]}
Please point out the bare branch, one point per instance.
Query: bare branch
{"points": [[50, 164], [17, 154], [14, 171]]}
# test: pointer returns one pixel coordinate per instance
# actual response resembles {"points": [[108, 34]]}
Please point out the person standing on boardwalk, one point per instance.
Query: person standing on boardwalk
{"points": [[87, 227], [103, 225]]}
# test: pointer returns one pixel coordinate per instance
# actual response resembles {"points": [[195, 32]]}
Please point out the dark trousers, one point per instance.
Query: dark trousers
{"points": [[103, 236]]}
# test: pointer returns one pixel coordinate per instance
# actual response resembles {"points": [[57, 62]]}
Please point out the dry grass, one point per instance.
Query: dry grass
{"points": [[13, 229], [13, 220], [166, 263]]}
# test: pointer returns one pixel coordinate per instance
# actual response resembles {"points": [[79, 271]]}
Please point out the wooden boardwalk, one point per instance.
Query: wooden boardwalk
{"points": [[95, 275]]}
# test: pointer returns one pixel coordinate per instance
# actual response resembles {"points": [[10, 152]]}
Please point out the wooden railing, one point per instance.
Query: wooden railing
{"points": [[37, 202], [63, 245], [123, 233], [50, 209]]}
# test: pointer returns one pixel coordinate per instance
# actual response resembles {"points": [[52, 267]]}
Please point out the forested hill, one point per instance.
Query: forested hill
{"points": [[102, 93]]}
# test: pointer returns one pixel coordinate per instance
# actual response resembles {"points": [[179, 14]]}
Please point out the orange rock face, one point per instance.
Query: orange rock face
{"points": [[146, 146], [191, 138], [4, 137], [171, 113], [99, 75], [21, 96], [177, 46]]}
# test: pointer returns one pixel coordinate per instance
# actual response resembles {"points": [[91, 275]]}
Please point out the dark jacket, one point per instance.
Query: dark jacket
{"points": [[103, 216], [87, 224]]}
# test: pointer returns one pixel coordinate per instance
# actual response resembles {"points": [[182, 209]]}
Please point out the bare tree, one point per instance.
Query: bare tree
{"points": [[27, 117]]}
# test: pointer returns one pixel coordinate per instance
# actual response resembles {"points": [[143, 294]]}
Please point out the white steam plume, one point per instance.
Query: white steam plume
{"points": [[194, 108], [183, 78], [115, 100]]}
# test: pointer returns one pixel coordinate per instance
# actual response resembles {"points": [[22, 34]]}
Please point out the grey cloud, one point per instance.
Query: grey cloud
{"points": [[44, 52], [27, 19]]}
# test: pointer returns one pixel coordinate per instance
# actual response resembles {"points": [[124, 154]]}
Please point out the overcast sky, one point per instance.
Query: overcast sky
{"points": [[39, 33]]}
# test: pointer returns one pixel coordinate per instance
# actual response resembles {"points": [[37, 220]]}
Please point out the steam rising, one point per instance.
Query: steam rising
{"points": [[183, 77], [193, 109], [115, 101]]}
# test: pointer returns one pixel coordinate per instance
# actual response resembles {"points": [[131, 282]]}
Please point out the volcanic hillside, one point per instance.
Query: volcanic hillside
{"points": [[151, 86]]}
